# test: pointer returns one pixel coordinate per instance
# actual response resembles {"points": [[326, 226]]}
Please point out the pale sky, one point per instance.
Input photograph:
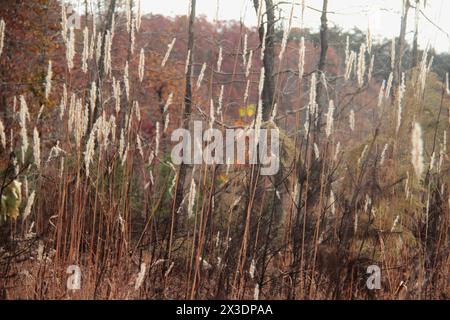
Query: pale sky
{"points": [[382, 15]]}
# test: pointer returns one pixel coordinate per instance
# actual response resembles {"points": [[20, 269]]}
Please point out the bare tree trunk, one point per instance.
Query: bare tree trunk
{"points": [[415, 49], [179, 190], [269, 57], [400, 45], [321, 66], [273, 216]]}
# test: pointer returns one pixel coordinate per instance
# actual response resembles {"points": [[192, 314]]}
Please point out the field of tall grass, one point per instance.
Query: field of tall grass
{"points": [[93, 207]]}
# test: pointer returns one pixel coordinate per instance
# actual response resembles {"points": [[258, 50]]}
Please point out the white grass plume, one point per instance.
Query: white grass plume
{"points": [[417, 150]]}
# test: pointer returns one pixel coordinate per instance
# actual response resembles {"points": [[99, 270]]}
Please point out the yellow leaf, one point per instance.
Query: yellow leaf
{"points": [[251, 110]]}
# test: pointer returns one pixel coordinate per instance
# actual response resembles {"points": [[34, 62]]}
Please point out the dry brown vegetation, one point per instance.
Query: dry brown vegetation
{"points": [[87, 180]]}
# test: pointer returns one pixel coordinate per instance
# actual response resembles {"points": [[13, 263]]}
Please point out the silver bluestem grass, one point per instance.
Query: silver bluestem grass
{"points": [[337, 151], [394, 225], [363, 155], [349, 65], [166, 122], [256, 292], [23, 116], [90, 150], [361, 65], [139, 145], [200, 77], [274, 113], [244, 50], [219, 108], [117, 94], [138, 15], [85, 55], [387, 92], [158, 138], [98, 47], [301, 59], [141, 65], [137, 111], [417, 150], [330, 119], [191, 197], [121, 144], [169, 50], [247, 88], [370, 73], [141, 276], [332, 202], [107, 56], [249, 64], [383, 154], [219, 59], [2, 35], [126, 81], [70, 49], [64, 23], [37, 148], [312, 106], [169, 101], [352, 120], [92, 46], [188, 62], [93, 96], [432, 161], [316, 151], [401, 93], [252, 269], [2, 135], [258, 122]]}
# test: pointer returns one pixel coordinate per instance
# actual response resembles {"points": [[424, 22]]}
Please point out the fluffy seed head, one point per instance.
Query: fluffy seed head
{"points": [[2, 35], [383, 154], [330, 119], [37, 148], [169, 50], [401, 93], [70, 49], [219, 60], [417, 150], [2, 135], [141, 65], [138, 15], [352, 120], [126, 81], [200, 77], [361, 65], [85, 56], [349, 65], [301, 60]]}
